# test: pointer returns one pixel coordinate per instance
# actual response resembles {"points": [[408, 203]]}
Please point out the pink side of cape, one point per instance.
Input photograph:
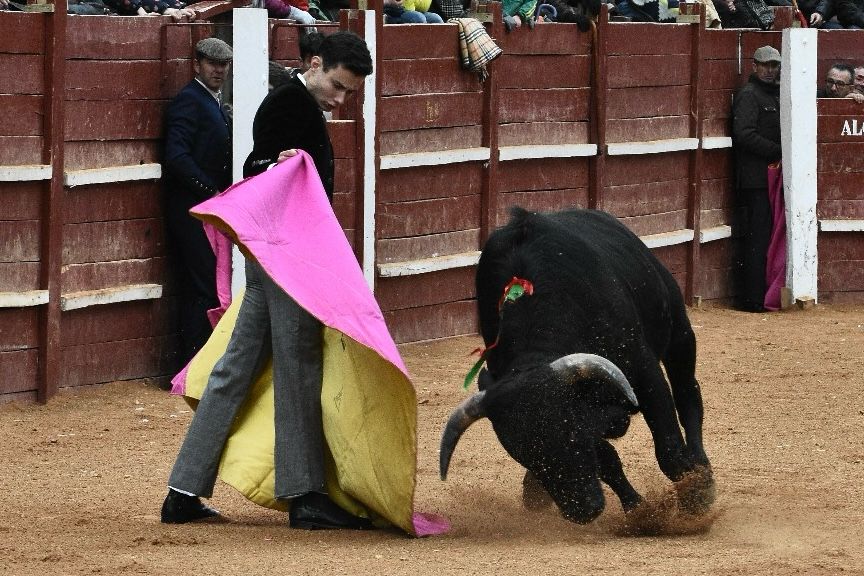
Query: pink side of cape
{"points": [[283, 218], [775, 265]]}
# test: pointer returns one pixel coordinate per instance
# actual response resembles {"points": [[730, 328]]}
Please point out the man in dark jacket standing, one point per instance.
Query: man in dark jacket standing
{"points": [[756, 141], [271, 323], [197, 165]]}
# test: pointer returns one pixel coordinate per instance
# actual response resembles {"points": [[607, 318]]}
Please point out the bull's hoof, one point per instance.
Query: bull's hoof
{"points": [[534, 496], [696, 492]]}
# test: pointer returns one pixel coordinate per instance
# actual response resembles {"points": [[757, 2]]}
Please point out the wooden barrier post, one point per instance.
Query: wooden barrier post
{"points": [[51, 256], [597, 116], [489, 138], [694, 199], [797, 119]]}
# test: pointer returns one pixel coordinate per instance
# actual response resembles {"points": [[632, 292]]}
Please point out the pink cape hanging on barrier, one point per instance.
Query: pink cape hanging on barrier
{"points": [[775, 264], [282, 219]]}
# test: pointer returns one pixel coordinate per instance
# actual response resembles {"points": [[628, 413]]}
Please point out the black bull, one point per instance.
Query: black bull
{"points": [[581, 354]]}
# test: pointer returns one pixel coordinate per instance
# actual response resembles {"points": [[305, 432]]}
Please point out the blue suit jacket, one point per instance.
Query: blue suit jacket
{"points": [[197, 161]]}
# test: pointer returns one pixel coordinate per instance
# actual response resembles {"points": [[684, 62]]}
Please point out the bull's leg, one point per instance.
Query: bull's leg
{"points": [[680, 364], [687, 467], [658, 408], [612, 474], [534, 496]]}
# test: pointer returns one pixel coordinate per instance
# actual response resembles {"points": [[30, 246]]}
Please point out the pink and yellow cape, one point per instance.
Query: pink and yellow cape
{"points": [[282, 219]]}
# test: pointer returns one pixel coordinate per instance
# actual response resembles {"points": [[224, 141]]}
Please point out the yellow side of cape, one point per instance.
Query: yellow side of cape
{"points": [[369, 412]]}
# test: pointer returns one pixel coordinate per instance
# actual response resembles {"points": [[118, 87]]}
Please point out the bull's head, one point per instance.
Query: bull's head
{"points": [[550, 419]]}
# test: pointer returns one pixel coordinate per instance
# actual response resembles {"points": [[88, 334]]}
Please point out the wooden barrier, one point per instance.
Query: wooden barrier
{"points": [[633, 119]]}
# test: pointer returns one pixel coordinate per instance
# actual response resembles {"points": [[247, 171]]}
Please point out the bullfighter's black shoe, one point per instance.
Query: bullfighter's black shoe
{"points": [[180, 508], [314, 511]]}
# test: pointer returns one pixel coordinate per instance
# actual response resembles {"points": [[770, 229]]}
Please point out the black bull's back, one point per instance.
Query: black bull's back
{"points": [[597, 289]]}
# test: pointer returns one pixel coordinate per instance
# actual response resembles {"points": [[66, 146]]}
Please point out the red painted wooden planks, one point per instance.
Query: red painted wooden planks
{"points": [[656, 223], [113, 201], [342, 135], [527, 133], [557, 39], [430, 111], [18, 371], [437, 182], [21, 115], [647, 129], [427, 246], [19, 276], [118, 120], [430, 140], [23, 33], [22, 74], [440, 287], [637, 71], [21, 241], [540, 201], [851, 209], [116, 322], [20, 150], [100, 154], [552, 105], [654, 39], [648, 102], [646, 168], [543, 174], [113, 80], [419, 41], [435, 321], [115, 240], [113, 38], [841, 276], [20, 200], [427, 216], [426, 75], [118, 360], [543, 71], [99, 275], [645, 198], [19, 328]]}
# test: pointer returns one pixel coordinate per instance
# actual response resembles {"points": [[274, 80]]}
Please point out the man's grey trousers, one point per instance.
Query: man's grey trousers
{"points": [[269, 322]]}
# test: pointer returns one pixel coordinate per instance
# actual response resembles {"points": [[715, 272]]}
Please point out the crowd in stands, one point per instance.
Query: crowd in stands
{"points": [[823, 14]]}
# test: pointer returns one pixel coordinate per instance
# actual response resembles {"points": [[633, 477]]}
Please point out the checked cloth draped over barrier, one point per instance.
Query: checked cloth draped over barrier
{"points": [[476, 47], [283, 220]]}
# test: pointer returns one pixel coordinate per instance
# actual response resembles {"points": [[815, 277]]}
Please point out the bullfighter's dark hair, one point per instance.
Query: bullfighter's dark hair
{"points": [[346, 49]]}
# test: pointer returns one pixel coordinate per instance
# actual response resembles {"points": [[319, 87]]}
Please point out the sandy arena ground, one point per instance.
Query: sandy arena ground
{"points": [[83, 477]]}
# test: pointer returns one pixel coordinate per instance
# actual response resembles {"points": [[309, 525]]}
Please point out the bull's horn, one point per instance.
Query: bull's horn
{"points": [[593, 366], [461, 418]]}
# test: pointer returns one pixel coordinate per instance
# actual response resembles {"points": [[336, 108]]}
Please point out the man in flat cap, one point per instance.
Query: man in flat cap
{"points": [[197, 165], [756, 142]]}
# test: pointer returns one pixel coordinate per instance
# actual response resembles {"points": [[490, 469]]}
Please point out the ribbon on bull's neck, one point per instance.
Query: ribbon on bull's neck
{"points": [[515, 289]]}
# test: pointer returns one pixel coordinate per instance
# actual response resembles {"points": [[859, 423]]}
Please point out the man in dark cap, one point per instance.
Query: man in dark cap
{"points": [[196, 166], [756, 142], [271, 323]]}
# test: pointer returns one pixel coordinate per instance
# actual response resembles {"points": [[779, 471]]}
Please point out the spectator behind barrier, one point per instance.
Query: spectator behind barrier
{"points": [[819, 13], [176, 9], [840, 83], [410, 12], [850, 13], [859, 79]]}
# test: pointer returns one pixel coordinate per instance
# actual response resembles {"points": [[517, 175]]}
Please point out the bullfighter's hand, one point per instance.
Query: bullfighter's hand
{"points": [[285, 154]]}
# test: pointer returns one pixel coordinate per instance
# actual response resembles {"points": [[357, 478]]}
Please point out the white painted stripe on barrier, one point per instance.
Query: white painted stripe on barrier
{"points": [[112, 174], [425, 265], [83, 299], [370, 120], [546, 151], [715, 233], [391, 161], [23, 299], [25, 173], [652, 146], [715, 142], [668, 238], [841, 225]]}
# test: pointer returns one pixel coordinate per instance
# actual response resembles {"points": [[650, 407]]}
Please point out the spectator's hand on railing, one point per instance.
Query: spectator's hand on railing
{"points": [[857, 97], [730, 4], [816, 19], [4, 4], [179, 13]]}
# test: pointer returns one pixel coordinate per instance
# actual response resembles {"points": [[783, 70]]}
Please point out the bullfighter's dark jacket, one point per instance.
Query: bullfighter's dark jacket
{"points": [[289, 117]]}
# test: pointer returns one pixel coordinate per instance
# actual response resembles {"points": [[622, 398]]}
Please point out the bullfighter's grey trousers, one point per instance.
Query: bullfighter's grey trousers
{"points": [[269, 321]]}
